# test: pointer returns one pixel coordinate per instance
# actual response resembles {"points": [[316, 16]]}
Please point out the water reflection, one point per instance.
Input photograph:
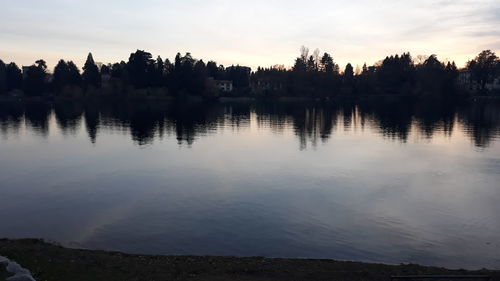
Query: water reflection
{"points": [[481, 123], [311, 123], [385, 182]]}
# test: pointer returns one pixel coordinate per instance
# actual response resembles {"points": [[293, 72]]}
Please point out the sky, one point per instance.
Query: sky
{"points": [[252, 33]]}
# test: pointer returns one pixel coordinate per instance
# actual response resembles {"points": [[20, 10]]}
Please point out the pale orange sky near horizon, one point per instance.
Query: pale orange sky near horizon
{"points": [[252, 33]]}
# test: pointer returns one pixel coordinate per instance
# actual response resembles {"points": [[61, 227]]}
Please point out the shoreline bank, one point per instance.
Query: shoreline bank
{"points": [[226, 99], [55, 263]]}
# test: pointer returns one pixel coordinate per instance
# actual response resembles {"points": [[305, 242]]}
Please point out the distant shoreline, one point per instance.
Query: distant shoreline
{"points": [[371, 98], [53, 263]]}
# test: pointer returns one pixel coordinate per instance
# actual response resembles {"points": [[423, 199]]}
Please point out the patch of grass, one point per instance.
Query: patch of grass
{"points": [[54, 263]]}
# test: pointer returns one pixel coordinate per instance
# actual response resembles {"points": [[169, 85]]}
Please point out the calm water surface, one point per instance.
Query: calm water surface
{"points": [[381, 183]]}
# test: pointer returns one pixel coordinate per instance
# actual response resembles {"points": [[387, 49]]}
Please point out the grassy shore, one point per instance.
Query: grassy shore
{"points": [[55, 263]]}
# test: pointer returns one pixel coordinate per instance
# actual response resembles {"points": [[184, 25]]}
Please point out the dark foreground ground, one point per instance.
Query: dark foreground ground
{"points": [[51, 262]]}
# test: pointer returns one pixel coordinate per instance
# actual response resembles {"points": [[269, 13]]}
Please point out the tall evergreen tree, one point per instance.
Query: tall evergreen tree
{"points": [[3, 78], [74, 76], [327, 65], [159, 72], [348, 78], [348, 73], [311, 64], [168, 67], [91, 75], [300, 65]]}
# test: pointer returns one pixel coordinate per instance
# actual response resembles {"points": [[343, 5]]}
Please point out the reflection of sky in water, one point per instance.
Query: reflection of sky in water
{"points": [[266, 183]]}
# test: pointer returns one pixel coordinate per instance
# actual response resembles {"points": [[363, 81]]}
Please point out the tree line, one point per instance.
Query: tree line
{"points": [[320, 76], [185, 76], [312, 75]]}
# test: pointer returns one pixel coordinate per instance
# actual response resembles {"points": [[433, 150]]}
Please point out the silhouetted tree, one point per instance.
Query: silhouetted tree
{"points": [[300, 65], [348, 74], [65, 74], [106, 69], [183, 74], [200, 77], [301, 62], [60, 76], [14, 77], [141, 68], [213, 70], [396, 74], [159, 73], [348, 80], [168, 67], [91, 75], [435, 79], [3, 78], [240, 76], [484, 67], [36, 78], [311, 64], [450, 78], [327, 64], [312, 75], [74, 76], [117, 70]]}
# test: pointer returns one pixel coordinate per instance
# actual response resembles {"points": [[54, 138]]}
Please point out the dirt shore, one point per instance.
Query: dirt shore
{"points": [[55, 263]]}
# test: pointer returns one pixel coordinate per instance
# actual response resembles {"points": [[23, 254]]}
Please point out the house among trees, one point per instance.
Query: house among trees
{"points": [[466, 79], [482, 73], [269, 85], [225, 86], [312, 76]]}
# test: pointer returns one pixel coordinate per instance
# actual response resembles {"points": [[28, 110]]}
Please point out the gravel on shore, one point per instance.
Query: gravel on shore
{"points": [[50, 262]]}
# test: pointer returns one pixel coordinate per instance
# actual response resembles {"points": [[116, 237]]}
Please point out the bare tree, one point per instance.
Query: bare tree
{"points": [[304, 53], [420, 59], [358, 70], [316, 58]]}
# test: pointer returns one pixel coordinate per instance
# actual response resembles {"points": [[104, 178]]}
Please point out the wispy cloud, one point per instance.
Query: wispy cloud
{"points": [[249, 32]]}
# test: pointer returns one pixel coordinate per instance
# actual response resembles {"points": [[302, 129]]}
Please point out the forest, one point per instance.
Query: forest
{"points": [[312, 75]]}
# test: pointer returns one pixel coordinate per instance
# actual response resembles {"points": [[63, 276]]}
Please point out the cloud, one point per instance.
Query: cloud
{"points": [[252, 33]]}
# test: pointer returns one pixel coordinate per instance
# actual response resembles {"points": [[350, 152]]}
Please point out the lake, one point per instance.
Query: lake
{"points": [[387, 182]]}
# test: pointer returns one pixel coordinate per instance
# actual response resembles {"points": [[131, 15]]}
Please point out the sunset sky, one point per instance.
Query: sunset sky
{"points": [[253, 33]]}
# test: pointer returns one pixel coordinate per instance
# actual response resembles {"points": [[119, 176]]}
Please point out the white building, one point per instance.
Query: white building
{"points": [[224, 85], [466, 80], [264, 84]]}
